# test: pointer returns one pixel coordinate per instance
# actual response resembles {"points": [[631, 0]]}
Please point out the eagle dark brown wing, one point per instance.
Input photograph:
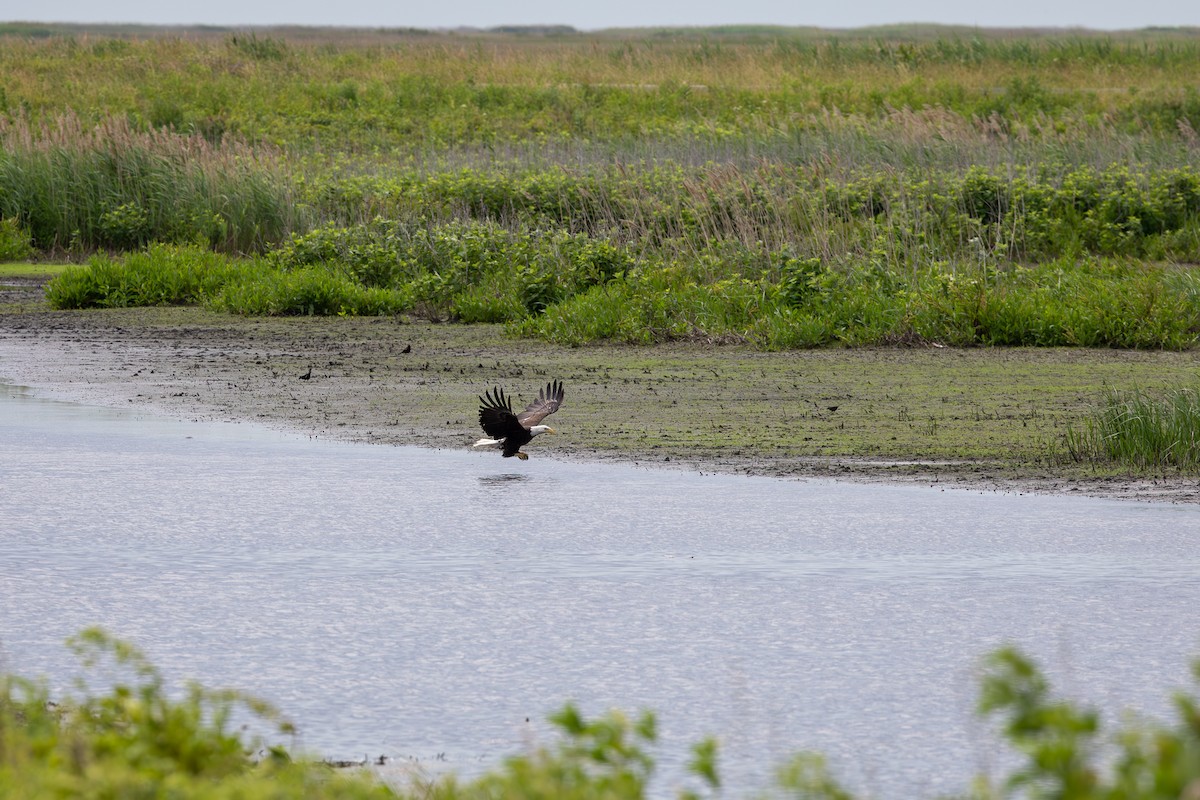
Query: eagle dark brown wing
{"points": [[548, 401], [496, 416]]}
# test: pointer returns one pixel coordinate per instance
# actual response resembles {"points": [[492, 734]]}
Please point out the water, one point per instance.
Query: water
{"points": [[437, 606]]}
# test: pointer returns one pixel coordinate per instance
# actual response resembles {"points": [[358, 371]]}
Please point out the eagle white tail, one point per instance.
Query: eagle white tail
{"points": [[488, 443]]}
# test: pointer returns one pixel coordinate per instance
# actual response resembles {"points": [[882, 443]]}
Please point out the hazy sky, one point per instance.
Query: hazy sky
{"points": [[591, 14]]}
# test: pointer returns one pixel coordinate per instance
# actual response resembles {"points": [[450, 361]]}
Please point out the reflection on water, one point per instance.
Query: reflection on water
{"points": [[411, 602], [500, 481]]}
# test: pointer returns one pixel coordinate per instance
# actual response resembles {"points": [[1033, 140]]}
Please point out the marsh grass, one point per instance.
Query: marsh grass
{"points": [[306, 292], [110, 185], [161, 275], [909, 219], [575, 290], [164, 275], [1142, 430], [449, 89], [1089, 303]]}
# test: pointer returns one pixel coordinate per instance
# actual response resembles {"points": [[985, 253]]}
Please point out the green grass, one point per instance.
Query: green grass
{"points": [[165, 275], [162, 275], [33, 270], [1142, 430], [306, 292], [419, 90], [136, 738]]}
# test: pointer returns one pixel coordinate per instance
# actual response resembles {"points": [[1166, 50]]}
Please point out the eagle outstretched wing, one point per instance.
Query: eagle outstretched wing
{"points": [[548, 401], [496, 415]]}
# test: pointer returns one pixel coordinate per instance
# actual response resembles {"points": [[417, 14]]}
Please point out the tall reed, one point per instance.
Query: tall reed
{"points": [[112, 185], [1142, 430]]}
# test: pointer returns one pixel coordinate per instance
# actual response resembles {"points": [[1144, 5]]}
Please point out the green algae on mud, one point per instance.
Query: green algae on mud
{"points": [[974, 417], [30, 269]]}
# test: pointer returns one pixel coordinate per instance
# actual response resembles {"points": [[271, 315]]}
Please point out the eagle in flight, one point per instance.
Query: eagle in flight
{"points": [[510, 431]]}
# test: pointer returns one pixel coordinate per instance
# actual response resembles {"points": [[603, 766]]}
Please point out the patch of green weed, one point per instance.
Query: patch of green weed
{"points": [[1142, 430]]}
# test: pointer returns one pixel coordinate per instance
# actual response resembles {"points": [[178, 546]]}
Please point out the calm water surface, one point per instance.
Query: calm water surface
{"points": [[425, 604]]}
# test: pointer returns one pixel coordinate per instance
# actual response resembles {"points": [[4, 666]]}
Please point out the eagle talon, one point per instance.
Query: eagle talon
{"points": [[523, 456]]}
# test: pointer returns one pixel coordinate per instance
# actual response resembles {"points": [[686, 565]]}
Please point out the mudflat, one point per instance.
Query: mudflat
{"points": [[988, 419]]}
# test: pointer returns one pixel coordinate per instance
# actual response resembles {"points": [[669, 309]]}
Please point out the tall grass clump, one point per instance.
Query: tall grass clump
{"points": [[164, 275], [1143, 430], [114, 186], [307, 292], [161, 275]]}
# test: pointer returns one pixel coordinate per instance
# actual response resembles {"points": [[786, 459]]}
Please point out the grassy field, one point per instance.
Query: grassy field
{"points": [[26, 269]]}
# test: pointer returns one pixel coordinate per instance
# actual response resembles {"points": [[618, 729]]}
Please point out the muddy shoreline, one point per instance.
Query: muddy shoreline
{"points": [[978, 419]]}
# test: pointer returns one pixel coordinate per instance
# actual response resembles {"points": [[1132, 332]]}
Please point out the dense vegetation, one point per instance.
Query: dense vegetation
{"points": [[134, 739], [779, 187]]}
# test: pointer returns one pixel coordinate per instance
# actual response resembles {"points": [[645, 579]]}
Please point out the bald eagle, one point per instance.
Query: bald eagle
{"points": [[510, 431]]}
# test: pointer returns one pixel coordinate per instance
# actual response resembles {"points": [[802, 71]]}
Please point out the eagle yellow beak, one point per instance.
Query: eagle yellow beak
{"points": [[551, 430]]}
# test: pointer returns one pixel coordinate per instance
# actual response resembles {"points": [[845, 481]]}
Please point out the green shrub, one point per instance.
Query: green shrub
{"points": [[307, 292], [800, 279], [1058, 741], [601, 758], [160, 275], [125, 227], [15, 244], [375, 254], [133, 739]]}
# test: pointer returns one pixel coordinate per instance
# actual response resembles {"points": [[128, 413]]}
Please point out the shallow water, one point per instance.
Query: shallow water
{"points": [[425, 605]]}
